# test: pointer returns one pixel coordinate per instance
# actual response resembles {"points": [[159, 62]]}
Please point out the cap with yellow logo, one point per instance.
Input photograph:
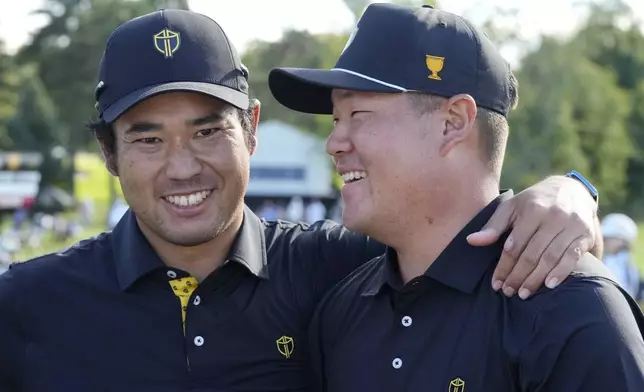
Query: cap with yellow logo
{"points": [[397, 49], [168, 50]]}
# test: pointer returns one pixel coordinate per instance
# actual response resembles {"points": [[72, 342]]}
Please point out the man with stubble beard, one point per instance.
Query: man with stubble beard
{"points": [[191, 291]]}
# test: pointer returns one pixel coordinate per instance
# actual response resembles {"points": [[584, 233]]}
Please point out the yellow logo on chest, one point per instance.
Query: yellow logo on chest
{"points": [[285, 346]]}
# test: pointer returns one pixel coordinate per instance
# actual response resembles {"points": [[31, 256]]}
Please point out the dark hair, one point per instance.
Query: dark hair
{"points": [[493, 126], [104, 133]]}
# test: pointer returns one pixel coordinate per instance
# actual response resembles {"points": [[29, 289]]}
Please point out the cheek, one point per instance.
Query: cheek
{"points": [[230, 159], [401, 168], [390, 156], [136, 172]]}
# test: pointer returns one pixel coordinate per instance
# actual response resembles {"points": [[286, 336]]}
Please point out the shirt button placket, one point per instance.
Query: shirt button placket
{"points": [[396, 363]]}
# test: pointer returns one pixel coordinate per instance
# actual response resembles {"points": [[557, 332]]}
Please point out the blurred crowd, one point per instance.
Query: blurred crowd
{"points": [[620, 233], [299, 210], [29, 228]]}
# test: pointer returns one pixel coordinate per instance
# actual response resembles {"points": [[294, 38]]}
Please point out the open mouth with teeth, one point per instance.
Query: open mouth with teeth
{"points": [[185, 201], [353, 176]]}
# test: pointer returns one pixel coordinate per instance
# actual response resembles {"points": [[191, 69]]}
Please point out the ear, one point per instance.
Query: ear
{"points": [[253, 137], [459, 123]]}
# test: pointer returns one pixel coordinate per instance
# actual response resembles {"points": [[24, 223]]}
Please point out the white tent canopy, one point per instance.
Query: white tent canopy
{"points": [[289, 162]]}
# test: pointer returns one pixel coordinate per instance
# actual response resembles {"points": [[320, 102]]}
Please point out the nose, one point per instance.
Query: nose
{"points": [[182, 164], [338, 142]]}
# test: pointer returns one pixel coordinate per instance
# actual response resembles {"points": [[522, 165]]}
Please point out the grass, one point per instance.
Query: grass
{"points": [[50, 245], [92, 182]]}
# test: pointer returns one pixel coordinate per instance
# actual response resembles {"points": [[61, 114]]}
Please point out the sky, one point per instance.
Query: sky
{"points": [[247, 20]]}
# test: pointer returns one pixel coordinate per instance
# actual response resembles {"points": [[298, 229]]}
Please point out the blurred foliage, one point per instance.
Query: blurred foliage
{"points": [[9, 85], [581, 99]]}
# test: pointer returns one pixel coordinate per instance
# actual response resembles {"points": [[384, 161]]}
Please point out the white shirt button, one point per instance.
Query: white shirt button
{"points": [[406, 321], [172, 274], [198, 341], [197, 300], [396, 363]]}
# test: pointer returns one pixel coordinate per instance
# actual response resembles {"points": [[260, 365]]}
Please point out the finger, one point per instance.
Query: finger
{"points": [[512, 249], [498, 224], [529, 258], [545, 261], [570, 255], [484, 237]]}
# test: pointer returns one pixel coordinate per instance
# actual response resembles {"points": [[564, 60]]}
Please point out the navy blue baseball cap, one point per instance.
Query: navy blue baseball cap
{"points": [[168, 50], [397, 49]]}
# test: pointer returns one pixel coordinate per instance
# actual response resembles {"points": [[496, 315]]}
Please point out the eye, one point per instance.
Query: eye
{"points": [[358, 112], [148, 140], [207, 132]]}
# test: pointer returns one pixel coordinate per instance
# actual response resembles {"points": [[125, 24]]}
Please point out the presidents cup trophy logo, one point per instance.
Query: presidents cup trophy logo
{"points": [[435, 65]]}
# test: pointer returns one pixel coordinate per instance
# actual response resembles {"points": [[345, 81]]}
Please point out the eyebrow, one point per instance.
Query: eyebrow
{"points": [[211, 118], [142, 127], [150, 126]]}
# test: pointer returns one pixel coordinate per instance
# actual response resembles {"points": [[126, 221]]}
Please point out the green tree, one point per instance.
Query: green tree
{"points": [[564, 121], [9, 81], [295, 49], [35, 127], [612, 38]]}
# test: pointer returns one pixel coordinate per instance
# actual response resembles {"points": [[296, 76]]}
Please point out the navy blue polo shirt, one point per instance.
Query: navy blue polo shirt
{"points": [[448, 331], [107, 315]]}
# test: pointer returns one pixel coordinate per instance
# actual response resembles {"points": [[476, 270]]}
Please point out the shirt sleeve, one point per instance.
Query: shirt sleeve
{"points": [[339, 252], [11, 335], [587, 338]]}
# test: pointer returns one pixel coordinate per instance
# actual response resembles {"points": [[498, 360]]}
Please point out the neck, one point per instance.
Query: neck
{"points": [[419, 248], [200, 260]]}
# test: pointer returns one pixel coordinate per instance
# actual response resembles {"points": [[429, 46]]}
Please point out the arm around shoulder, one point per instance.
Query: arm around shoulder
{"points": [[11, 333], [586, 338], [339, 243], [340, 252]]}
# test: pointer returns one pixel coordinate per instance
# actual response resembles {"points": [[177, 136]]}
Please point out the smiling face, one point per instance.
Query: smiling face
{"points": [[386, 154], [183, 164], [402, 167]]}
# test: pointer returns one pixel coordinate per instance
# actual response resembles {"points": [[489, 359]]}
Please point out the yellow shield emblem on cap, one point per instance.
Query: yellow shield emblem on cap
{"points": [[167, 42]]}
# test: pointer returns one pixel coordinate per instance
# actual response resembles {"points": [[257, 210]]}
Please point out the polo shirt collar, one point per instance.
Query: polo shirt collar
{"points": [[134, 257], [460, 266]]}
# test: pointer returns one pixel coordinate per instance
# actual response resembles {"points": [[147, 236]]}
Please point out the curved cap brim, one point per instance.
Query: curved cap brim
{"points": [[309, 90], [227, 94]]}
